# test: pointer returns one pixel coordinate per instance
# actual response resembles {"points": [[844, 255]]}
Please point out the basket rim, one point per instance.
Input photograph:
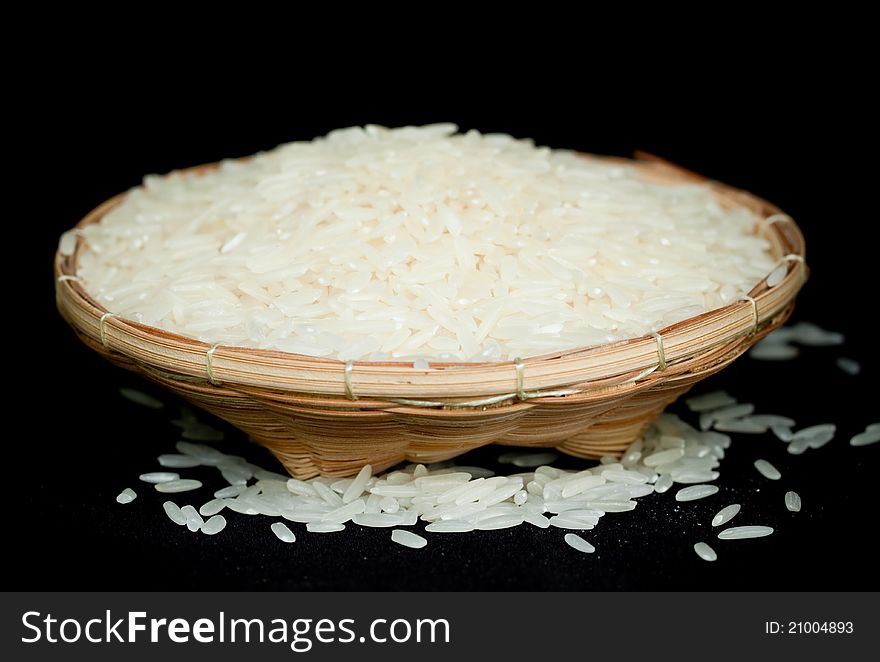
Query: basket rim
{"points": [[555, 374]]}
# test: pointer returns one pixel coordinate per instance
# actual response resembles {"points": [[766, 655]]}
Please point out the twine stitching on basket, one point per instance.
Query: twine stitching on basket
{"points": [[784, 260], [520, 376], [68, 277], [349, 367], [661, 352], [209, 364], [101, 332], [754, 313]]}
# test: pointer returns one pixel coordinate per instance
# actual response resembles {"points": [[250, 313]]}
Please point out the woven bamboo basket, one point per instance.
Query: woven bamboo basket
{"points": [[324, 416]]}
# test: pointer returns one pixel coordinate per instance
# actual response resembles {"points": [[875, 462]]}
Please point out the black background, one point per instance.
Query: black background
{"points": [[792, 127]]}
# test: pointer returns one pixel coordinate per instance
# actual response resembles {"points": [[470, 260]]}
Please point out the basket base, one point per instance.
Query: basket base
{"points": [[314, 436], [609, 434]]}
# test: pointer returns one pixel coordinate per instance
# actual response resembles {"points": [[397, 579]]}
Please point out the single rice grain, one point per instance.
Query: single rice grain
{"points": [[726, 514], [408, 539], [182, 485], [174, 513], [214, 525], [579, 543], [742, 532], [126, 496], [705, 552], [282, 532], [695, 492], [767, 470]]}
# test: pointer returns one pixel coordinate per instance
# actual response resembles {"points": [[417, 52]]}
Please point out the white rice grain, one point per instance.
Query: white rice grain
{"points": [[174, 461], [733, 411], [475, 472], [300, 487], [535, 519], [158, 477], [741, 425], [502, 493], [505, 521], [67, 242], [398, 491], [814, 436], [449, 526], [664, 482], [708, 401], [327, 494], [182, 485], [765, 351], [705, 552], [624, 476], [214, 525], [726, 514], [408, 539], [688, 477], [798, 446], [534, 459], [793, 501], [767, 470], [865, 438], [849, 366], [212, 507], [662, 457], [229, 492], [612, 506], [282, 532], [126, 496], [576, 524], [777, 275], [578, 543], [741, 532], [782, 432], [344, 513], [235, 475], [324, 527], [194, 521], [376, 520], [174, 513], [357, 486], [812, 335], [695, 492], [770, 420]]}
